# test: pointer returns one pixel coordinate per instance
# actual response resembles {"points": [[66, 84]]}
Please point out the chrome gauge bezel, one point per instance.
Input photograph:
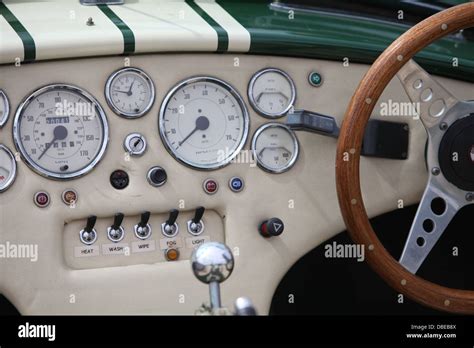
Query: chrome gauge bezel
{"points": [[293, 160], [253, 101], [110, 102], [40, 170], [242, 106], [4, 118], [12, 177]]}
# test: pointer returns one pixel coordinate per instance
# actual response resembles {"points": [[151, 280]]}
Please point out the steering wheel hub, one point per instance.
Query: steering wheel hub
{"points": [[456, 153]]}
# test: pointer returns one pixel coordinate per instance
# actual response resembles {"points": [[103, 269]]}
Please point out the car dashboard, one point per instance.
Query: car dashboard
{"points": [[172, 147]]}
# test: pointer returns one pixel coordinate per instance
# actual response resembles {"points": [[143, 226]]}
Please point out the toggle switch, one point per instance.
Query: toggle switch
{"points": [[88, 235], [116, 232], [195, 225], [271, 228], [143, 228], [170, 228]]}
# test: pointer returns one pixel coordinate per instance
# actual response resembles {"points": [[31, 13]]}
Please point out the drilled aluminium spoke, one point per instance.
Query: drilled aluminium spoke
{"points": [[431, 99], [435, 212]]}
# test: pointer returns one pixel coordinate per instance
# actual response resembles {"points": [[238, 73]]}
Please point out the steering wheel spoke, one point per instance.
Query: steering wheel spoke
{"points": [[429, 97], [436, 210]]}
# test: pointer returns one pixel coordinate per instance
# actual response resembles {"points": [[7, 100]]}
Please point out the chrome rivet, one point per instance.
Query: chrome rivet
{"points": [[435, 171]]}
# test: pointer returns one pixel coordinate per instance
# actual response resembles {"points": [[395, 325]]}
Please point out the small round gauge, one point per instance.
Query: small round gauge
{"points": [[204, 122], [275, 147], [130, 92], [61, 131], [4, 108], [7, 168], [272, 92]]}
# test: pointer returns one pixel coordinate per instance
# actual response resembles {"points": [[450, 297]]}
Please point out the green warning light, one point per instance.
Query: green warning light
{"points": [[315, 79]]}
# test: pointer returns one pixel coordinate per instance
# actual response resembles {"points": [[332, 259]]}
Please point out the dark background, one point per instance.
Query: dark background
{"points": [[345, 286]]}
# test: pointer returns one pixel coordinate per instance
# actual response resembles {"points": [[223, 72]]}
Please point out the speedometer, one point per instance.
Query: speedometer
{"points": [[203, 122], [61, 131]]}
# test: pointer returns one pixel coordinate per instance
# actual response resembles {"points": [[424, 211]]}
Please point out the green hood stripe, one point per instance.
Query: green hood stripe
{"points": [[222, 36], [128, 37], [28, 42]]}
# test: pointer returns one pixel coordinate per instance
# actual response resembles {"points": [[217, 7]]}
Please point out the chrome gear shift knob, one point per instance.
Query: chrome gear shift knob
{"points": [[212, 263]]}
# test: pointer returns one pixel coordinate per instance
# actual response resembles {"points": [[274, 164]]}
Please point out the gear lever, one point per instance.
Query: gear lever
{"points": [[212, 263]]}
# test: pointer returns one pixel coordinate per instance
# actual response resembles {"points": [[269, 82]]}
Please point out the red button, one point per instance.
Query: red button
{"points": [[210, 186], [41, 199]]}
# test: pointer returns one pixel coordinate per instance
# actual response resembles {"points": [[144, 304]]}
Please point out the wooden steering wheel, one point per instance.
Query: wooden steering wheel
{"points": [[450, 127]]}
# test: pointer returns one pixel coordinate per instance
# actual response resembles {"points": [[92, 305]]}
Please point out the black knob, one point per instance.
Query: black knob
{"points": [[157, 176], [271, 228], [117, 221], [144, 219], [119, 179], [198, 214], [91, 220], [172, 218]]}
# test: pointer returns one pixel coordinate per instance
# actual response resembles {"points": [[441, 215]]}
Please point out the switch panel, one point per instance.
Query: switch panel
{"points": [[134, 249]]}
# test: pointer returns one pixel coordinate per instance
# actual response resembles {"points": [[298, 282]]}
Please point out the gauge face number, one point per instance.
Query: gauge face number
{"points": [[130, 92], [272, 93], [4, 108], [7, 168], [203, 124], [60, 132], [275, 148]]}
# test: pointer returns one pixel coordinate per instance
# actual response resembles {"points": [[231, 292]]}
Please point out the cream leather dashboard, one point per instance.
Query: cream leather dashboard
{"points": [[303, 197]]}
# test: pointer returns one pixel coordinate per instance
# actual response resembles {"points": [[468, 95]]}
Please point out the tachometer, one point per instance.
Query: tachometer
{"points": [[204, 122], [61, 131], [275, 147]]}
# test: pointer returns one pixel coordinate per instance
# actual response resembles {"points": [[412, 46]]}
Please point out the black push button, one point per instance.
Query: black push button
{"points": [[119, 179], [157, 176], [271, 228]]}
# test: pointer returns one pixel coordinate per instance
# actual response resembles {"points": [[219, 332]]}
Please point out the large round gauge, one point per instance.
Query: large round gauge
{"points": [[272, 92], [4, 108], [204, 122], [275, 147], [7, 168], [130, 92], [61, 131]]}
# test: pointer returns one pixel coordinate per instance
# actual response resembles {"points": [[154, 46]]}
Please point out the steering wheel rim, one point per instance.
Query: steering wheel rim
{"points": [[351, 135]]}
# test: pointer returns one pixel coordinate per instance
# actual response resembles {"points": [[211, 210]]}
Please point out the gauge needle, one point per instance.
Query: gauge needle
{"points": [[274, 148], [59, 133], [125, 92], [261, 94], [129, 93], [202, 123]]}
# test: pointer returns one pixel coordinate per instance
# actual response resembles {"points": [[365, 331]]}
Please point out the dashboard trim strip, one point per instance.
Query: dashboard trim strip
{"points": [[128, 36], [27, 40]]}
